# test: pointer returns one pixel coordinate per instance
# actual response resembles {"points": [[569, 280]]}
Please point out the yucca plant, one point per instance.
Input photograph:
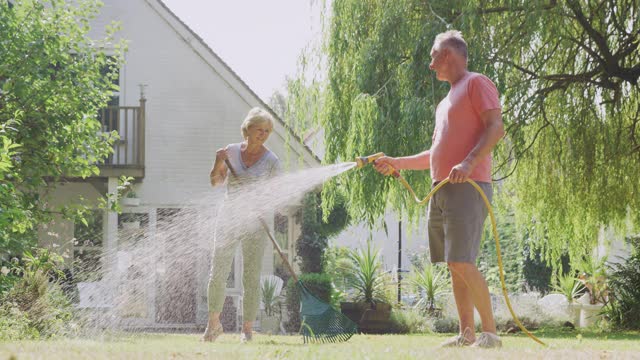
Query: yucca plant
{"points": [[432, 280], [593, 276], [368, 279], [569, 286], [269, 298]]}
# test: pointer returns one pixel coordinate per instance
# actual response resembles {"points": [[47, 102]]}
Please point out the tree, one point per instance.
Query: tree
{"points": [[52, 84], [314, 232], [568, 73]]}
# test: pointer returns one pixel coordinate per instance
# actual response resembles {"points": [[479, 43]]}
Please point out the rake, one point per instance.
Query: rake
{"points": [[321, 323]]}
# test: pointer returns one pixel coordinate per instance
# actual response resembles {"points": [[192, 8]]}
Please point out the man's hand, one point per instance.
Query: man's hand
{"points": [[385, 165], [460, 173]]}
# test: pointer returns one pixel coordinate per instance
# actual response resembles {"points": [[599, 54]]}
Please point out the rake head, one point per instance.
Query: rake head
{"points": [[321, 323]]}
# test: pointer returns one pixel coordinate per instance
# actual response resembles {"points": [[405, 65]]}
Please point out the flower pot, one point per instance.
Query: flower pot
{"points": [[376, 319], [590, 314], [574, 313], [130, 201], [352, 310], [371, 318]]}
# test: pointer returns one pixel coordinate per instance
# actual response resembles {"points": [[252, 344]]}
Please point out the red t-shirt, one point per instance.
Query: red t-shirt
{"points": [[459, 126]]}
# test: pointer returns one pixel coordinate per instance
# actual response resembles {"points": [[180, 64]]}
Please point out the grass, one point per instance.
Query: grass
{"points": [[562, 345]]}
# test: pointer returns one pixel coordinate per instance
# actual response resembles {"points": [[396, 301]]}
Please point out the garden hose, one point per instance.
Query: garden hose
{"points": [[370, 159]]}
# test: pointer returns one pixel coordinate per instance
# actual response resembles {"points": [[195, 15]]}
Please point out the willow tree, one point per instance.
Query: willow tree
{"points": [[568, 74]]}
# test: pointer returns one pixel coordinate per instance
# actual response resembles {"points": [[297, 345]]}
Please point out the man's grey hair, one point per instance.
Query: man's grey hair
{"points": [[451, 39], [255, 116]]}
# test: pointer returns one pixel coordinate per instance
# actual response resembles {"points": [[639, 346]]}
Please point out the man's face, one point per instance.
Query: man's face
{"points": [[438, 63]]}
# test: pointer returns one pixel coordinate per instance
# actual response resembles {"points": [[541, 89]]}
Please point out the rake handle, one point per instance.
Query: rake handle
{"points": [[266, 229]]}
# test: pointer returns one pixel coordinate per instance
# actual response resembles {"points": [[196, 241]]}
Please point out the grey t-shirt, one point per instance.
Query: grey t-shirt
{"points": [[267, 166]]}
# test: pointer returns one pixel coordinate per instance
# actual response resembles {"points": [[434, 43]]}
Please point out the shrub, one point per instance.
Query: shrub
{"points": [[35, 307], [509, 325], [338, 265], [623, 309], [409, 321], [445, 325], [318, 284], [7, 280], [14, 324]]}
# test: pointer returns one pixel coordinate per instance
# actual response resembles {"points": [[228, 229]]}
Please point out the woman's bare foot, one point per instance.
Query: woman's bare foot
{"points": [[245, 337], [212, 332], [247, 332]]}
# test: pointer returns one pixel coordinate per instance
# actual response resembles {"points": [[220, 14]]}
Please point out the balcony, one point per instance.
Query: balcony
{"points": [[128, 152]]}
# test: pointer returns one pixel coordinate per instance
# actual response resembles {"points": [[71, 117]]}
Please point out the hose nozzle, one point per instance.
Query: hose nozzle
{"points": [[364, 160]]}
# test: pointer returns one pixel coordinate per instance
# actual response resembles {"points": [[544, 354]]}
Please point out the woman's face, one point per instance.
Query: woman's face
{"points": [[258, 133]]}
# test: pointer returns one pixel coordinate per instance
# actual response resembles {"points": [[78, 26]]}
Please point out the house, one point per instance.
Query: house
{"points": [[178, 102]]}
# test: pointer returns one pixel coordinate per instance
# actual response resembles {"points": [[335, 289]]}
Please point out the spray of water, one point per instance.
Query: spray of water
{"points": [[158, 273]]}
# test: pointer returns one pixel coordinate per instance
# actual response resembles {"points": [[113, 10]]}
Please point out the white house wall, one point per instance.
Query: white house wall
{"points": [[58, 235], [193, 108]]}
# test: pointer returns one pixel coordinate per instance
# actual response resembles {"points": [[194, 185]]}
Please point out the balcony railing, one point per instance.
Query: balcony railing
{"points": [[128, 152]]}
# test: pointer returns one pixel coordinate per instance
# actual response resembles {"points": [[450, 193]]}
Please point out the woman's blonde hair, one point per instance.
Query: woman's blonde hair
{"points": [[255, 116]]}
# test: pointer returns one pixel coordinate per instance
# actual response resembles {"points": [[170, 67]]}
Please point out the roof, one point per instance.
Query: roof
{"points": [[233, 79]]}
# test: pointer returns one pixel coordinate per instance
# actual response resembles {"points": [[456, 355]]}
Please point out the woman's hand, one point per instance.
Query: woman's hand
{"points": [[385, 165], [222, 154]]}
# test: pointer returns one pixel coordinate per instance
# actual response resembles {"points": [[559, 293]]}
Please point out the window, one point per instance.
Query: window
{"points": [[109, 116]]}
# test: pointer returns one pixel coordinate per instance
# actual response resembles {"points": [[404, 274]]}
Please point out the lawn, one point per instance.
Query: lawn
{"points": [[562, 345]]}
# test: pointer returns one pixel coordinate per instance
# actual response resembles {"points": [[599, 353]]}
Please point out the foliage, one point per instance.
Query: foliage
{"points": [[537, 272], [511, 249], [546, 57], [7, 278], [51, 88], [409, 321], [315, 232], [269, 297], [318, 284], [430, 280], [14, 324], [338, 266], [445, 325], [623, 309], [569, 286], [368, 281], [35, 307], [593, 276]]}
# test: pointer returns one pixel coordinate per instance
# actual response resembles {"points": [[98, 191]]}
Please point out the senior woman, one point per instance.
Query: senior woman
{"points": [[251, 161]]}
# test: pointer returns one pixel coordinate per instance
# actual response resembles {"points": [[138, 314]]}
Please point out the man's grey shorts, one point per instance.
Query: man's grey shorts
{"points": [[456, 219]]}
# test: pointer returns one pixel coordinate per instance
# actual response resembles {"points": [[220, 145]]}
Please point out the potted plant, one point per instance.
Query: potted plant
{"points": [[270, 319], [571, 288], [593, 277], [131, 199], [430, 280], [371, 310]]}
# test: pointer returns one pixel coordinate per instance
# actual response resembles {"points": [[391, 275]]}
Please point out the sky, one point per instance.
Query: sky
{"points": [[261, 40]]}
